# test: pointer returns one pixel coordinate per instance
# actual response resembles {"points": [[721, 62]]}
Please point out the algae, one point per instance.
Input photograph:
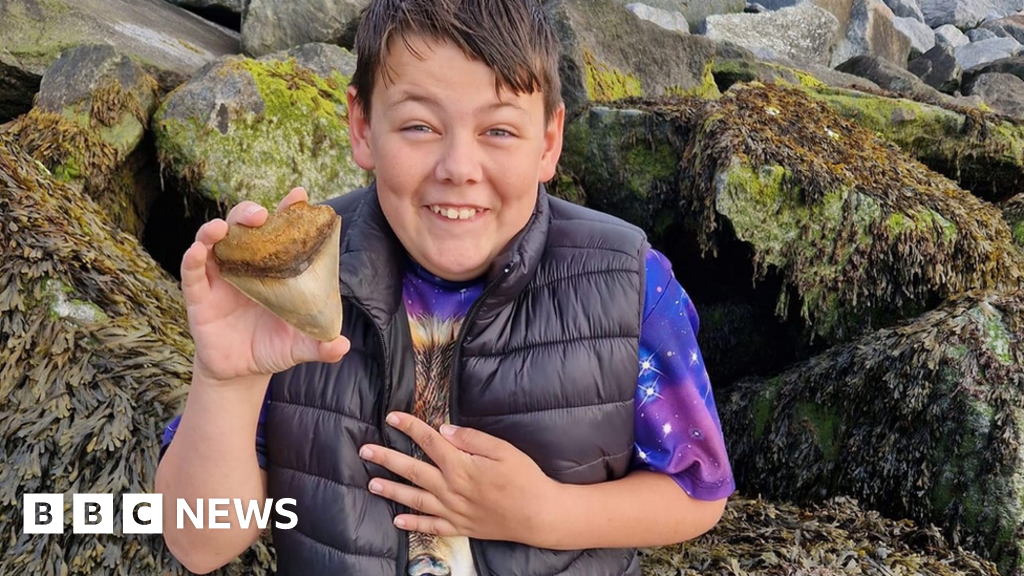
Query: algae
{"points": [[605, 83]]}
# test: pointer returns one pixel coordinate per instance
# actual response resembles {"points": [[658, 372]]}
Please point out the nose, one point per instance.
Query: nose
{"points": [[428, 565], [460, 162]]}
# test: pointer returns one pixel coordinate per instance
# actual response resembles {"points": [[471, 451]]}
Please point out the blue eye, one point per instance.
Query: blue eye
{"points": [[418, 128], [500, 132]]}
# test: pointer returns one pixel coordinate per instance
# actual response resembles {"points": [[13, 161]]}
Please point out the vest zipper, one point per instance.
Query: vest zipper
{"points": [[403, 536], [475, 547]]}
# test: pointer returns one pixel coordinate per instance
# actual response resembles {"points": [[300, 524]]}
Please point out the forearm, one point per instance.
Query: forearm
{"points": [[640, 510], [213, 456]]}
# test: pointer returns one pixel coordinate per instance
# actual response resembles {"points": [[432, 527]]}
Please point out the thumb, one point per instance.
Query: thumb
{"points": [[306, 349], [475, 442]]}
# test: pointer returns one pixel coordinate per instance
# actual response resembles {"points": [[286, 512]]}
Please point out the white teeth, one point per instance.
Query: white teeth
{"points": [[454, 213]]}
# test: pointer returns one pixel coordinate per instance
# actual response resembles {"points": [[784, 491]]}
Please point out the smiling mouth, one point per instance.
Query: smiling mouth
{"points": [[455, 213]]}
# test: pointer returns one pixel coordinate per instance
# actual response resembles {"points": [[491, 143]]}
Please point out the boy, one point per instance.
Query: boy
{"points": [[555, 341]]}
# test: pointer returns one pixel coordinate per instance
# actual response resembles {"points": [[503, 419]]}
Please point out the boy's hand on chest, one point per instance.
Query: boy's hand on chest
{"points": [[478, 485]]}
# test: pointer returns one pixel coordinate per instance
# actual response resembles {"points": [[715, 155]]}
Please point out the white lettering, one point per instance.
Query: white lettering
{"points": [[254, 510], [184, 508], [286, 513]]}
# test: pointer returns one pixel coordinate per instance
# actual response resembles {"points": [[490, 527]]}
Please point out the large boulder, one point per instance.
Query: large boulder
{"points": [[978, 54], [924, 420], [1009, 27], [1013, 65], [922, 38], [601, 62], [938, 68], [246, 129], [949, 35], [91, 115], [232, 6], [906, 9], [837, 536], [871, 32], [695, 12], [893, 78], [967, 14], [169, 42], [96, 359], [803, 33], [1002, 92], [273, 25], [984, 153], [669, 20]]}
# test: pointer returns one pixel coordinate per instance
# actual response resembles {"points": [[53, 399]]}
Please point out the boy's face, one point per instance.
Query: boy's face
{"points": [[457, 165]]}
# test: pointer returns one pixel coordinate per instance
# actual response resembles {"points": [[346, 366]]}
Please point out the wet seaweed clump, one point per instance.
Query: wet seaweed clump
{"points": [[924, 420], [94, 361], [833, 537], [862, 234]]}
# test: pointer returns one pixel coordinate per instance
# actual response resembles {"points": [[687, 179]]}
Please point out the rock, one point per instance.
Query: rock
{"points": [[728, 71], [930, 410], [983, 153], [599, 65], [233, 6], [1002, 92], [1013, 65], [97, 359], [803, 33], [273, 25], [922, 38], [837, 536], [91, 115], [323, 59], [871, 32], [170, 42], [754, 8], [938, 68], [949, 35], [978, 54], [694, 11], [906, 9], [17, 87], [1009, 27], [773, 5], [245, 129], [979, 34], [966, 14], [893, 78], [673, 21], [1013, 212]]}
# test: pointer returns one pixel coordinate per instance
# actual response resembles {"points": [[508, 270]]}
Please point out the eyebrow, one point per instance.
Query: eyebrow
{"points": [[411, 97]]}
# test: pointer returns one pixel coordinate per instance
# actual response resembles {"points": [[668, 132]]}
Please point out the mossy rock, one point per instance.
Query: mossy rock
{"points": [[982, 151], [89, 120], [861, 234], [244, 129], [96, 359], [1013, 211], [838, 536], [600, 62], [924, 420]]}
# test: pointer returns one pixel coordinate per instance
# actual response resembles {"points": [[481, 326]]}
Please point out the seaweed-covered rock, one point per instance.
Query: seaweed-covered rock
{"points": [[273, 25], [838, 536], [983, 152], [168, 41], [94, 360], [600, 61], [1013, 211], [860, 233], [924, 420], [246, 129], [90, 117]]}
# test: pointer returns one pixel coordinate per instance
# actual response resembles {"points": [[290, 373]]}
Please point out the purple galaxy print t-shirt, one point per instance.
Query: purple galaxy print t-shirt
{"points": [[677, 426]]}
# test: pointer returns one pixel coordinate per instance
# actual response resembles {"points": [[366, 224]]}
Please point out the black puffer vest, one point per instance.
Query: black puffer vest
{"points": [[547, 360]]}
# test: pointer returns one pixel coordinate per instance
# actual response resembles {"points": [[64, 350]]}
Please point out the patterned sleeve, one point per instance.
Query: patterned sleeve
{"points": [[677, 427], [261, 442]]}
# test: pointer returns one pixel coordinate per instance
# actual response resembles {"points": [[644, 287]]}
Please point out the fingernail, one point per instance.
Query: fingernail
{"points": [[253, 209], [366, 453], [392, 419], [376, 487], [399, 522], [448, 429]]}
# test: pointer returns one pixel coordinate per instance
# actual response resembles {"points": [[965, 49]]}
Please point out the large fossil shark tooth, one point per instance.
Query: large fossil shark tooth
{"points": [[290, 266]]}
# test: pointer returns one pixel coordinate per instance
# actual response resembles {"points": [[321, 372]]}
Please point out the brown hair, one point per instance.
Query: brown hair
{"points": [[512, 37]]}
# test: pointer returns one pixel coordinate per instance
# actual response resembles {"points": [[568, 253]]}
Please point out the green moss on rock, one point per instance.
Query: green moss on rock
{"points": [[605, 84], [300, 138]]}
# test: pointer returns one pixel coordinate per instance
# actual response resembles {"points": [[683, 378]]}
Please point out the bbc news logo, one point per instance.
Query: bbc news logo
{"points": [[144, 513]]}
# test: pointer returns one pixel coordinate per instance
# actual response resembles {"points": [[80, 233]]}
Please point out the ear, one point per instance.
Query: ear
{"points": [[359, 132], [552, 144]]}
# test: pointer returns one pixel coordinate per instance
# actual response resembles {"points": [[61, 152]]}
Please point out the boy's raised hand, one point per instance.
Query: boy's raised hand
{"points": [[481, 486], [234, 336]]}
